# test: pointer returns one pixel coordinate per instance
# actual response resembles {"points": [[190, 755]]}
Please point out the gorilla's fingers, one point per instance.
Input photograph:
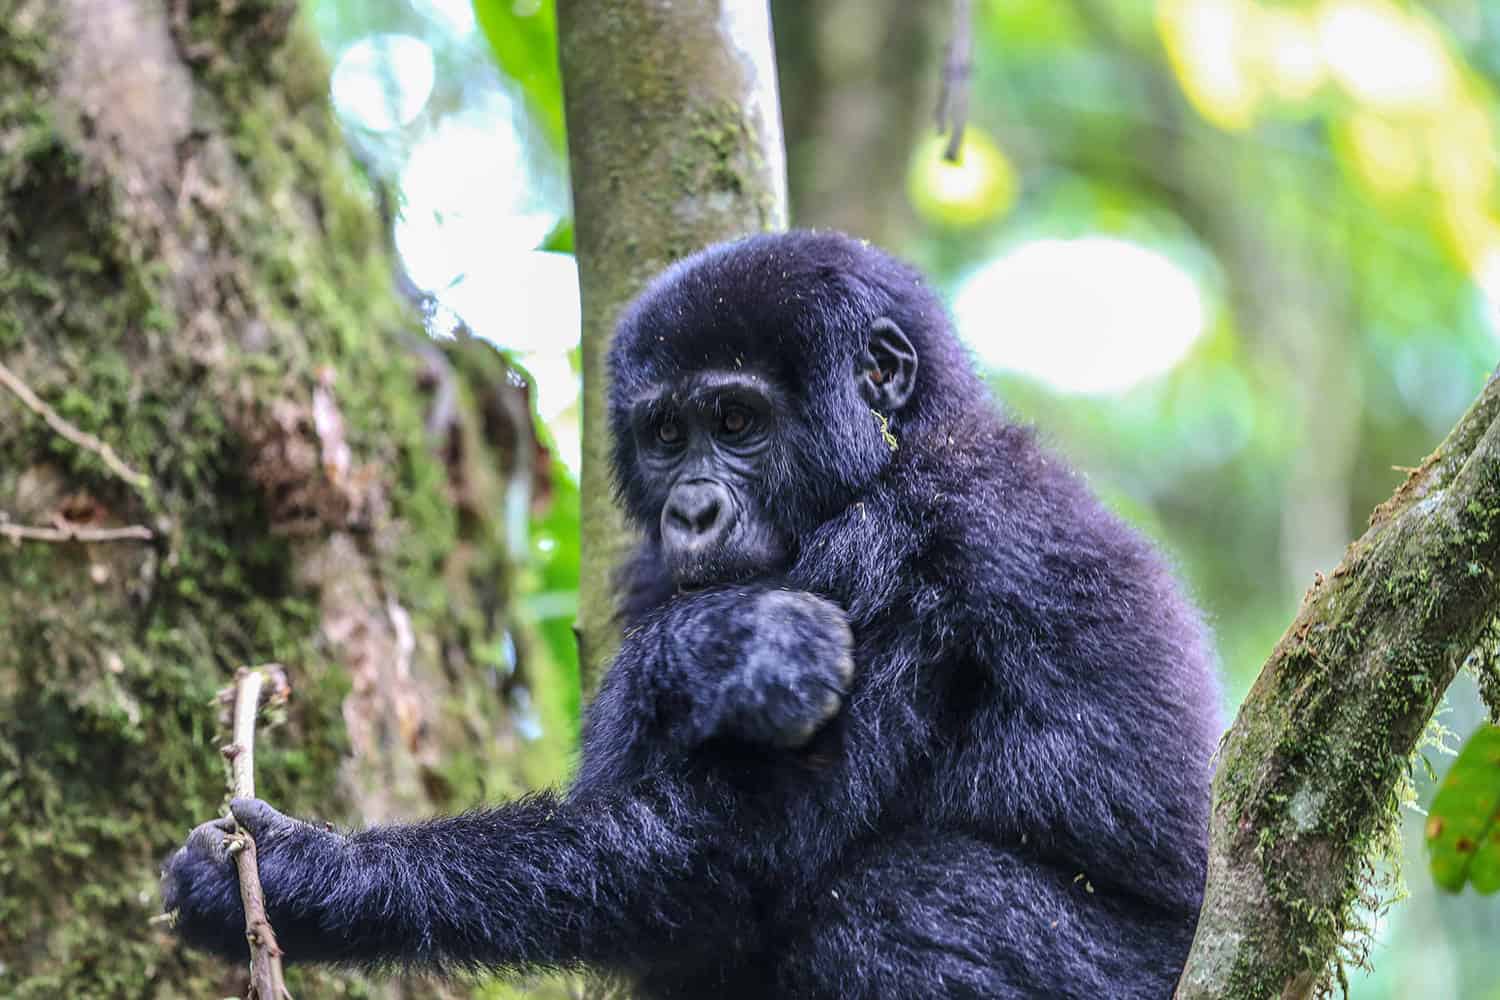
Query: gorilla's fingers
{"points": [[208, 838], [260, 818]]}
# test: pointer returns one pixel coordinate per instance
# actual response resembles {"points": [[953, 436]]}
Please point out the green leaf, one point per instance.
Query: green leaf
{"points": [[1463, 826], [523, 36]]}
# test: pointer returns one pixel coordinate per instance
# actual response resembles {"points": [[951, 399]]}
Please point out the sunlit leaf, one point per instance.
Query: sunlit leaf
{"points": [[1204, 42], [1463, 825], [1385, 156]]}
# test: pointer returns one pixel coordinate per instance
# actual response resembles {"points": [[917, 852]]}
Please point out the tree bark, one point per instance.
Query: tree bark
{"points": [[194, 281], [1308, 775], [674, 142]]}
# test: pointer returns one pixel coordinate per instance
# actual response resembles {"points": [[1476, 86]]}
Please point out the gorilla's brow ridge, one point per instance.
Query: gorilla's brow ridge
{"points": [[707, 386]]}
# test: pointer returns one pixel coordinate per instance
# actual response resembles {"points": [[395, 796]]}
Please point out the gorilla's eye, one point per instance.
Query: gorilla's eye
{"points": [[735, 421], [668, 432]]}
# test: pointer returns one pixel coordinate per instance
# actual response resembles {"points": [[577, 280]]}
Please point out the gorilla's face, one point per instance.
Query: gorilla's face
{"points": [[703, 443], [708, 443]]}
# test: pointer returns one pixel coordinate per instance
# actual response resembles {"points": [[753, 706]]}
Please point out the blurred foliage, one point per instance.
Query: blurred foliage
{"points": [[523, 36], [1323, 170], [1463, 826]]}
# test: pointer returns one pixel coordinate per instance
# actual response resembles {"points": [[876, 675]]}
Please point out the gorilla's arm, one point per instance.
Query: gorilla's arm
{"points": [[606, 875], [536, 882]]}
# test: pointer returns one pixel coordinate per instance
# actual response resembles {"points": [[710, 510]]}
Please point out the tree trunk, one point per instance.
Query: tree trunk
{"points": [[859, 80], [201, 344], [1308, 776], [674, 142]]}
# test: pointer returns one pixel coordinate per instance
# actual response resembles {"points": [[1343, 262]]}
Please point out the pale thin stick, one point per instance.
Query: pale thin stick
{"points": [[19, 533], [958, 68], [266, 981], [82, 439]]}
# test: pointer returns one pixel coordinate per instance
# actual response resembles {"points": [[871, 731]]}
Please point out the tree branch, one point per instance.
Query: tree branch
{"points": [[19, 533], [266, 979], [1309, 773], [958, 69], [82, 439]]}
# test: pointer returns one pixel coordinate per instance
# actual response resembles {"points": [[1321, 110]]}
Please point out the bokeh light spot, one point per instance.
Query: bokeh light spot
{"points": [[1093, 315], [1290, 56], [1387, 156], [979, 187], [1205, 41], [383, 81], [1384, 56], [468, 197]]}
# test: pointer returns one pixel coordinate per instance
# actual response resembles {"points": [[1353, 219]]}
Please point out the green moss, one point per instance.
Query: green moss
{"points": [[1319, 777], [1485, 665], [110, 655]]}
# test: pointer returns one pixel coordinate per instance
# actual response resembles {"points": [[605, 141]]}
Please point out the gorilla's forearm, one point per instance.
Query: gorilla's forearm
{"points": [[537, 882]]}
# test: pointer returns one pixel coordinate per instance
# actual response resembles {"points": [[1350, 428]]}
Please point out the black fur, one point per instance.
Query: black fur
{"points": [[1010, 796]]}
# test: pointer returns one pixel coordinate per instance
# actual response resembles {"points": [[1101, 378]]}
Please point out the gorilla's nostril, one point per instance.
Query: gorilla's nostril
{"points": [[705, 516], [695, 509], [694, 517]]}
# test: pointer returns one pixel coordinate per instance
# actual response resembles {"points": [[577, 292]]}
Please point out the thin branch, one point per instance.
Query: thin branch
{"points": [[19, 533], [266, 979], [241, 752], [82, 439], [958, 69]]}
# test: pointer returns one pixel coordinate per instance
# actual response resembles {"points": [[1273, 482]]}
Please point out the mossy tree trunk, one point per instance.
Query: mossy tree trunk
{"points": [[191, 272], [1308, 776], [674, 142]]}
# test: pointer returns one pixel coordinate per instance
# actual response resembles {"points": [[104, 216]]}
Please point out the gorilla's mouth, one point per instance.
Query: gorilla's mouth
{"points": [[747, 553]]}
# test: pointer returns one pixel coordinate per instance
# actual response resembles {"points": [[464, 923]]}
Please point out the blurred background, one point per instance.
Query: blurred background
{"points": [[1239, 260]]}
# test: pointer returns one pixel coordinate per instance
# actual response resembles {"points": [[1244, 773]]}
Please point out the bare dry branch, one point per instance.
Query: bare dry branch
{"points": [[958, 68], [266, 978], [19, 533], [82, 439]]}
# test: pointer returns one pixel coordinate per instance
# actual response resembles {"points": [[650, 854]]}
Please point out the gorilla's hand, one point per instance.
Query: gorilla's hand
{"points": [[200, 884], [750, 663], [794, 669]]}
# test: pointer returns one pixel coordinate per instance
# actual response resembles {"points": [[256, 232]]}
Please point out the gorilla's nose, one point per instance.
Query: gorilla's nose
{"points": [[696, 515]]}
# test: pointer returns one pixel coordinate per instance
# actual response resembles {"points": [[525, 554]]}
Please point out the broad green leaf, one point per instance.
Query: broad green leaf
{"points": [[1463, 826], [523, 36]]}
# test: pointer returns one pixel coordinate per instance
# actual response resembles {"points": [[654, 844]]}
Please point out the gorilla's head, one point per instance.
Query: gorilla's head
{"points": [[758, 387]]}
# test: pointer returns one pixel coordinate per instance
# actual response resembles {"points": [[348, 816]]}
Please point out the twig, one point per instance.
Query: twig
{"points": [[19, 533], [958, 66], [266, 980], [82, 439]]}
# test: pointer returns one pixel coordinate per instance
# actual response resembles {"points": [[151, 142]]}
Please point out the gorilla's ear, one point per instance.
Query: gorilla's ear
{"points": [[888, 370]]}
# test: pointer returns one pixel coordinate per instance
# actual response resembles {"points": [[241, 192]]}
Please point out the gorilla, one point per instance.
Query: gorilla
{"points": [[900, 709]]}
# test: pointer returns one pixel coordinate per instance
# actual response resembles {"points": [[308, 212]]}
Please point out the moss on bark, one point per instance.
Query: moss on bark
{"points": [[1311, 773], [190, 269]]}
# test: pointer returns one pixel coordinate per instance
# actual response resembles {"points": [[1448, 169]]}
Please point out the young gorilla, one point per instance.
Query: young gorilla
{"points": [[900, 711]]}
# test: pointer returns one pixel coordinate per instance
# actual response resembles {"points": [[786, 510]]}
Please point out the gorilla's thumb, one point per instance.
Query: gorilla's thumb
{"points": [[259, 818]]}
